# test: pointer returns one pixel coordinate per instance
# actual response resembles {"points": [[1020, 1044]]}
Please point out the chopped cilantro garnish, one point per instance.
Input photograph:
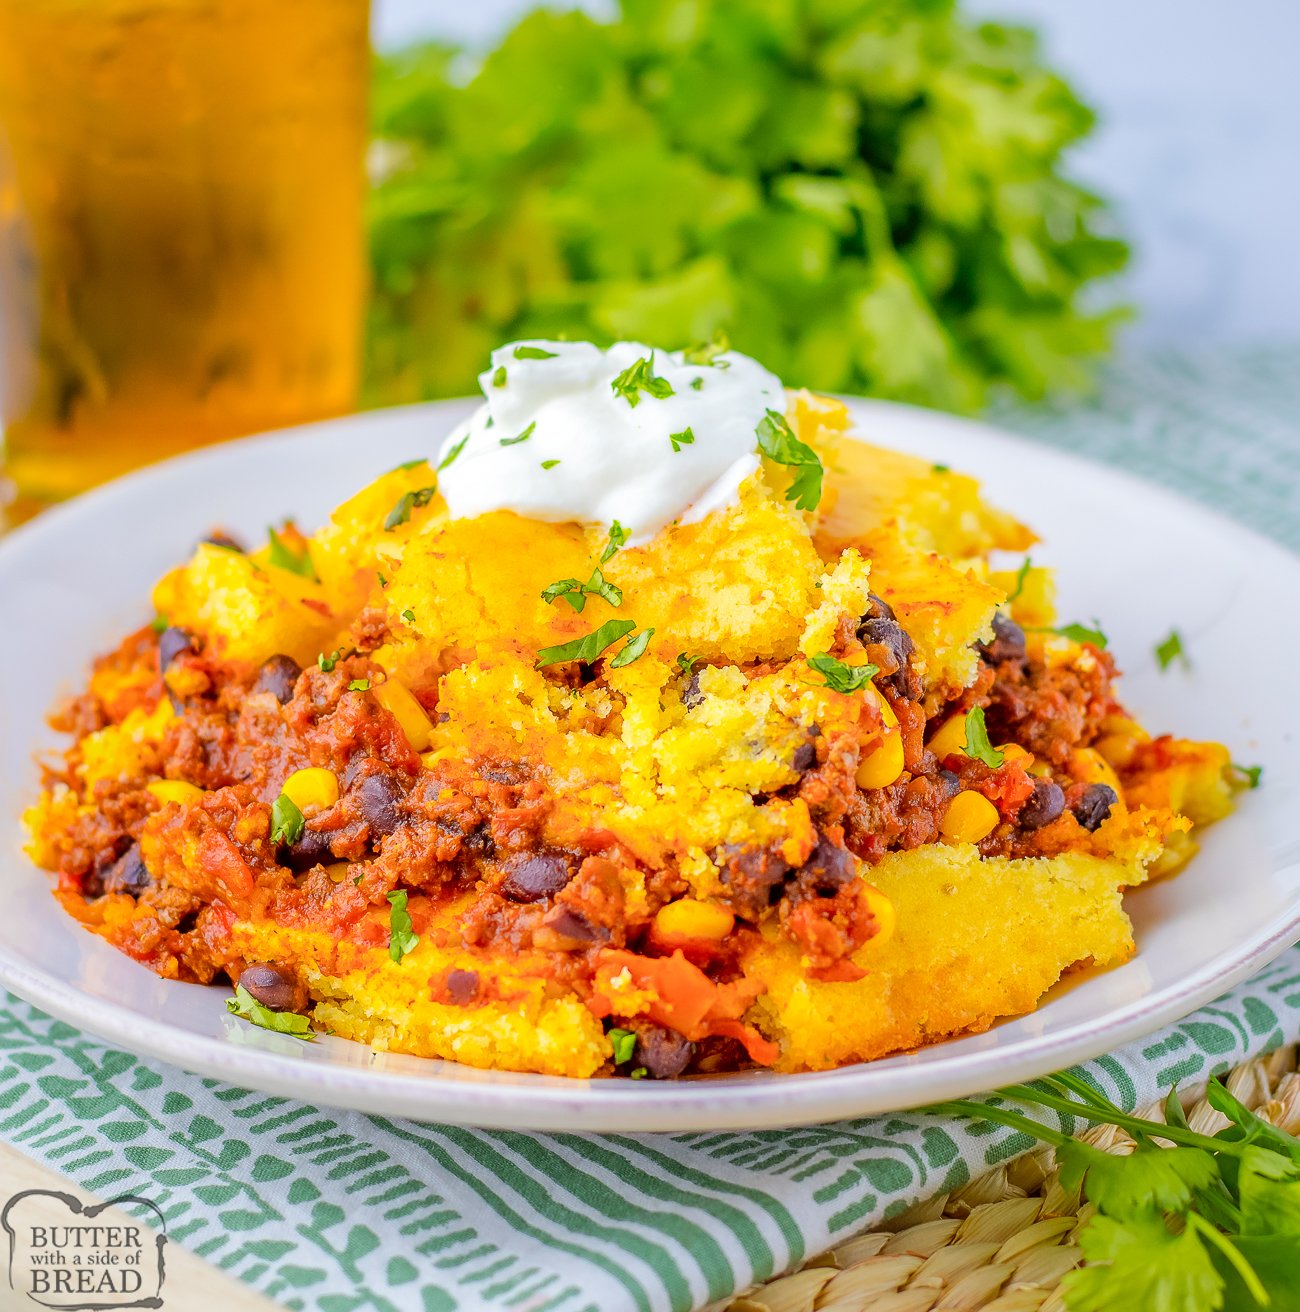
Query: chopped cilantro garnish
{"points": [[327, 663], [1082, 633], [978, 747], [696, 384], [586, 648], [407, 464], [283, 556], [408, 501], [282, 1022], [532, 353], [408, 615], [549, 464], [686, 663], [523, 437], [499, 376], [776, 440], [287, 822], [451, 455], [383, 582], [575, 592], [1247, 775], [634, 649], [624, 1043], [359, 685], [940, 469], [1170, 650], [641, 377], [160, 624], [841, 677], [638, 1073], [402, 937], [618, 535], [708, 352], [1021, 575], [679, 440]]}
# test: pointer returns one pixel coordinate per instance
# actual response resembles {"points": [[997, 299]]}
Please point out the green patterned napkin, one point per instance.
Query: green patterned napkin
{"points": [[337, 1211]]}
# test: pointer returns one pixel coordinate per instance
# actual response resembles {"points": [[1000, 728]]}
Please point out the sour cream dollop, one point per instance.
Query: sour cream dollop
{"points": [[557, 440]]}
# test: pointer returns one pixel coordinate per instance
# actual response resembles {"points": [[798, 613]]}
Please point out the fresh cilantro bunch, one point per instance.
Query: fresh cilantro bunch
{"points": [[864, 194], [1185, 1223]]}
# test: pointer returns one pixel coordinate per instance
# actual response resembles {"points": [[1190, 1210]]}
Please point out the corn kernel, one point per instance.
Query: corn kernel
{"points": [[882, 911], [311, 790], [881, 766], [951, 736], [1014, 754], [175, 790], [689, 918], [970, 816], [1118, 749], [881, 704], [1098, 770], [338, 871], [399, 701]]}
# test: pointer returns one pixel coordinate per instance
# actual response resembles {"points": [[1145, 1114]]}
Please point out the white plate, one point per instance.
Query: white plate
{"points": [[1138, 558]]}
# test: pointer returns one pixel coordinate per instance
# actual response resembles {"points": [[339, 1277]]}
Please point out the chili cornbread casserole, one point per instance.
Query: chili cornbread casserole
{"points": [[658, 727]]}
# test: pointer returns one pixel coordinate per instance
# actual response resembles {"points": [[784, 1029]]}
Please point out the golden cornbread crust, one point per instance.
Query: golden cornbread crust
{"points": [[337, 772]]}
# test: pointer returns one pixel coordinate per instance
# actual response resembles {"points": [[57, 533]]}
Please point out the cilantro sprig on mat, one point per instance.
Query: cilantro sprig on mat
{"points": [[1187, 1220]]}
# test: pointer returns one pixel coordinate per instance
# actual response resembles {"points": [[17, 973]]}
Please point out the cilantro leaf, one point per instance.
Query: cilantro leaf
{"points": [[586, 648], [978, 747], [679, 440], [408, 616], [533, 353], [686, 663], [1021, 575], [575, 592], [402, 937], [359, 685], [707, 352], [408, 501], [634, 649], [1141, 1263], [455, 450], [282, 1022], [776, 440], [327, 663], [549, 464], [841, 677], [283, 556], [1080, 633], [523, 437], [624, 1043], [287, 821], [640, 377], [1247, 775], [1166, 1179], [1170, 649], [618, 535], [160, 624]]}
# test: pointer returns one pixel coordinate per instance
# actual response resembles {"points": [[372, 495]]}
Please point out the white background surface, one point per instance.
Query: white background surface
{"points": [[1199, 143]]}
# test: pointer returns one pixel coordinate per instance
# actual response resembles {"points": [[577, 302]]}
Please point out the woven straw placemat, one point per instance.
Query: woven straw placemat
{"points": [[1004, 1242]]}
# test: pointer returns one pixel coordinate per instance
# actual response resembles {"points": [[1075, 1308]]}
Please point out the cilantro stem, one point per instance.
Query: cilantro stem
{"points": [[1002, 1116], [1081, 1089], [1234, 1256]]}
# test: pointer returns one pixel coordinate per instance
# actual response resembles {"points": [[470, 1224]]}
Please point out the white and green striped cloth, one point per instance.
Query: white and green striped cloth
{"points": [[337, 1211]]}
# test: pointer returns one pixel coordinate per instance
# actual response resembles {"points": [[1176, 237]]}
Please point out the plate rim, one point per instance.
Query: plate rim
{"points": [[750, 1102]]}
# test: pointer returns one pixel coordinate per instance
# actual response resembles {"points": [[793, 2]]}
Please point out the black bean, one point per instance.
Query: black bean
{"points": [[950, 781], [127, 874], [536, 875], [805, 757], [879, 608], [890, 634], [1094, 805], [462, 987], [566, 929], [754, 876], [827, 868], [692, 696], [272, 986], [665, 1054], [171, 643], [311, 849], [1008, 641], [1044, 806], [278, 676], [378, 797]]}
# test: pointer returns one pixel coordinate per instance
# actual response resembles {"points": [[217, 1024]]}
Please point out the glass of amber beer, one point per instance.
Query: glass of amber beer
{"points": [[181, 247]]}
